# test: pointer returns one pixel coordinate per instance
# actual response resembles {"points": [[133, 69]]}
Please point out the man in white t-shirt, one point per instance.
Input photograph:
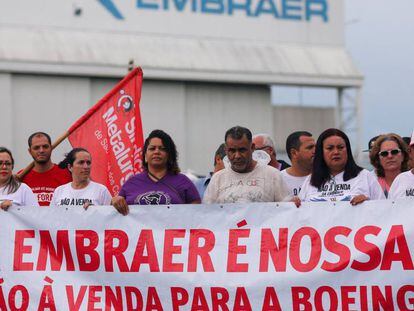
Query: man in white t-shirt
{"points": [[300, 148], [403, 184], [246, 180]]}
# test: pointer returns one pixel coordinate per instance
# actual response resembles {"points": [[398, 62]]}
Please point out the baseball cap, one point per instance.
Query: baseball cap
{"points": [[371, 143], [406, 139]]}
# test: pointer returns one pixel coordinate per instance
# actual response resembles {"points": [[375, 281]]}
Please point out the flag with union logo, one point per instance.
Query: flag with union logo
{"points": [[112, 132]]}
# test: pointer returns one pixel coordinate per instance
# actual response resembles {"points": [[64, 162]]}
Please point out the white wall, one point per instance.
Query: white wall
{"points": [[196, 115]]}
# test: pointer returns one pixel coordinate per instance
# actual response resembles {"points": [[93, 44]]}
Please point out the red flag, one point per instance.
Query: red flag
{"points": [[112, 132]]}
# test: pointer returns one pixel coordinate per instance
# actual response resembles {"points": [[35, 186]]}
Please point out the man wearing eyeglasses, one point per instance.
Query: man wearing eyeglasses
{"points": [[264, 142], [403, 185], [45, 176]]}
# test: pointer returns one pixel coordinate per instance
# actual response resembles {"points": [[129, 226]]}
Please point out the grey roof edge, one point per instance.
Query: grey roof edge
{"points": [[103, 71], [76, 53]]}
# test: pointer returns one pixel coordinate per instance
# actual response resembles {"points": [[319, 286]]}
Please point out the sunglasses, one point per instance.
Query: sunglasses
{"points": [[385, 153]]}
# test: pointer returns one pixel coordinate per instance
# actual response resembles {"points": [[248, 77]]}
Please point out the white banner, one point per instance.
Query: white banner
{"points": [[196, 257]]}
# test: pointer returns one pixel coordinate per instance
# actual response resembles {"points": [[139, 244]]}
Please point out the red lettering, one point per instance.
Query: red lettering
{"points": [[367, 248], [378, 299], [277, 252], [336, 248], [145, 243], [363, 297], [170, 249], [47, 301], [333, 299], [401, 301], [74, 305], [346, 300], [113, 301], [396, 237], [271, 301], [300, 298], [93, 298], [83, 251], [199, 300], [153, 301], [3, 306], [235, 249], [195, 250], [179, 297], [116, 252], [131, 293], [20, 249], [241, 300], [219, 303], [56, 255], [295, 249], [24, 298]]}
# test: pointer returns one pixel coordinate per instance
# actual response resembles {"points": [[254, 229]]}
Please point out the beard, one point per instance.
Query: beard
{"points": [[42, 161]]}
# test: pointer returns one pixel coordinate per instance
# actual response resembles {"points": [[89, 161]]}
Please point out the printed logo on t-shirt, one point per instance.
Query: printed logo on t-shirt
{"points": [[296, 191], [44, 197], [73, 201], [409, 192], [153, 198], [333, 192]]}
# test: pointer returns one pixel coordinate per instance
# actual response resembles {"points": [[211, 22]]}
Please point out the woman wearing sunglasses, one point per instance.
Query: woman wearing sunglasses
{"points": [[389, 156], [12, 192], [335, 175]]}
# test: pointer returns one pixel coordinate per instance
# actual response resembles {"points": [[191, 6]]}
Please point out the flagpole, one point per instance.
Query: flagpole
{"points": [[79, 122], [28, 168]]}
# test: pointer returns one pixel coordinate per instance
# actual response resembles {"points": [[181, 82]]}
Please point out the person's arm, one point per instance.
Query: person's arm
{"points": [[191, 194], [5, 204], [29, 199], [106, 197], [375, 190], [394, 189], [211, 195], [120, 205]]}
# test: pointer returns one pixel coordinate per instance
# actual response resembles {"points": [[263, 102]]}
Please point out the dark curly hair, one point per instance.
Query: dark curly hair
{"points": [[374, 153], [70, 157], [320, 171], [172, 161]]}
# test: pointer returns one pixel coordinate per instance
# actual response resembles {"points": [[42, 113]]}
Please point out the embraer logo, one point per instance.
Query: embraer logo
{"points": [[111, 7]]}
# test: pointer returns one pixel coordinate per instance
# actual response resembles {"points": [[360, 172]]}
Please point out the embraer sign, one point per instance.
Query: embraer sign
{"points": [[302, 10]]}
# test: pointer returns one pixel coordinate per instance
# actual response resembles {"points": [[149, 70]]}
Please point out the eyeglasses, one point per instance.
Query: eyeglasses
{"points": [[6, 164], [385, 153], [262, 148]]}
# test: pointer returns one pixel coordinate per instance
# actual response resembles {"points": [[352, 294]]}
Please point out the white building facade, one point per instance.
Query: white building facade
{"points": [[208, 65]]}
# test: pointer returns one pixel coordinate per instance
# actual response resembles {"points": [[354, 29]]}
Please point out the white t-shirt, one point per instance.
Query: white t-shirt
{"points": [[402, 186], [263, 184], [22, 197], [336, 189], [94, 193], [293, 183]]}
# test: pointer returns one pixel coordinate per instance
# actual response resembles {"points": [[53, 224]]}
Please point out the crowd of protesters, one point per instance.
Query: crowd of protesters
{"points": [[324, 170]]}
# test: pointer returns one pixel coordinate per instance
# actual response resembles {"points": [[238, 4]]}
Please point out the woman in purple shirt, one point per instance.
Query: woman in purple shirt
{"points": [[161, 182]]}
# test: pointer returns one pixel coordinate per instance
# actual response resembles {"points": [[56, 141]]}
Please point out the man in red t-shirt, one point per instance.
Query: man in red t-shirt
{"points": [[45, 176]]}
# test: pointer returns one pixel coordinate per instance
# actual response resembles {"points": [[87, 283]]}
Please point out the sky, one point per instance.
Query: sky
{"points": [[379, 36]]}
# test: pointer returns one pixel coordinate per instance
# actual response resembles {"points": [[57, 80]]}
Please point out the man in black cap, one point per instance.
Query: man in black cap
{"points": [[371, 143]]}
